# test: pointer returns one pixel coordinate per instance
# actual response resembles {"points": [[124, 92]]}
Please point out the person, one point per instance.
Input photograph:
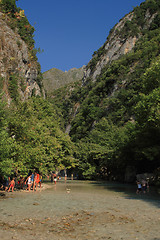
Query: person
{"points": [[144, 185], [11, 185], [21, 182], [29, 183], [6, 181], [139, 187], [36, 180], [55, 178], [65, 177], [72, 176], [32, 180]]}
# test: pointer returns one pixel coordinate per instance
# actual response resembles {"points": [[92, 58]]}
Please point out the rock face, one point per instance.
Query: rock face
{"points": [[55, 78], [15, 59], [116, 45]]}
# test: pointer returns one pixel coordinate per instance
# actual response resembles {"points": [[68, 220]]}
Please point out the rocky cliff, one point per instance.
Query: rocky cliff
{"points": [[16, 62], [121, 40]]}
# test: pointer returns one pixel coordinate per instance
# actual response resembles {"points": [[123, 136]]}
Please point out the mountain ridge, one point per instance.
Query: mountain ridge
{"points": [[55, 78]]}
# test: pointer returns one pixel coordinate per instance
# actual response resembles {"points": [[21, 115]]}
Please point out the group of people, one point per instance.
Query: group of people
{"points": [[142, 186], [31, 182]]}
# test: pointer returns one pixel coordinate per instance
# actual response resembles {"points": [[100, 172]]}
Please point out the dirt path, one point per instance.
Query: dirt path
{"points": [[80, 211]]}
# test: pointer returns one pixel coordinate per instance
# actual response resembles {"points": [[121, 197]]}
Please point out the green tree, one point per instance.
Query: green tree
{"points": [[6, 143]]}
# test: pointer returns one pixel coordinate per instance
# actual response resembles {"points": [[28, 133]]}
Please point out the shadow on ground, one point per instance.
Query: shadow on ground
{"points": [[129, 192]]}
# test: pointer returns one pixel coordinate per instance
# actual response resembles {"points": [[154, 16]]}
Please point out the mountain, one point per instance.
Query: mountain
{"points": [[20, 74], [55, 78], [113, 114]]}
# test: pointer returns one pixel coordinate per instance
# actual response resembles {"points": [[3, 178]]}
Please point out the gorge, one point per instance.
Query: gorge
{"points": [[100, 121]]}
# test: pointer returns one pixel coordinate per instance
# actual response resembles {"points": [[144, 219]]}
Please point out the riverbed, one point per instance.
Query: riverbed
{"points": [[81, 210]]}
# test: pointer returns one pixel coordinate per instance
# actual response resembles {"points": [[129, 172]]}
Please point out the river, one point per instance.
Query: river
{"points": [[81, 210]]}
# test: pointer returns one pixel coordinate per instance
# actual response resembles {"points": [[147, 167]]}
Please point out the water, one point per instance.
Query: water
{"points": [[80, 210]]}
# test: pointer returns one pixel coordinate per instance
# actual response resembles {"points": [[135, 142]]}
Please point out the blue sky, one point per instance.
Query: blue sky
{"points": [[70, 31]]}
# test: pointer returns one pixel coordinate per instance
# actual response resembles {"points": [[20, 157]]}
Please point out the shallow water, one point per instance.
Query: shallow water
{"points": [[72, 203]]}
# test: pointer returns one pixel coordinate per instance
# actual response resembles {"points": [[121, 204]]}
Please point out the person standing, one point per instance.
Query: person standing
{"points": [[29, 183], [72, 176], [11, 185], [144, 186], [139, 187], [32, 180], [36, 181], [55, 178], [65, 177]]}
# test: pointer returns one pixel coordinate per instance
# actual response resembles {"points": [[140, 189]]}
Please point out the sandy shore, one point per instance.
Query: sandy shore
{"points": [[79, 211]]}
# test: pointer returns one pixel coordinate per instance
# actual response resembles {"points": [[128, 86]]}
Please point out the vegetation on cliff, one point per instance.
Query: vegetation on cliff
{"points": [[17, 44], [17, 19], [117, 124]]}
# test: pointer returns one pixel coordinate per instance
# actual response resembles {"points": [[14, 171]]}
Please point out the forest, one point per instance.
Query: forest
{"points": [[112, 130]]}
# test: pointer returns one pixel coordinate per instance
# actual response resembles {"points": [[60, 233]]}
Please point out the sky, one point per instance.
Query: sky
{"points": [[69, 31]]}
